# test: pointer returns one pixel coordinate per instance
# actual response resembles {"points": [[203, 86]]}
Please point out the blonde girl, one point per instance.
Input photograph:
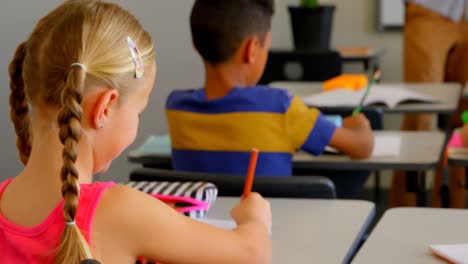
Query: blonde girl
{"points": [[78, 86]]}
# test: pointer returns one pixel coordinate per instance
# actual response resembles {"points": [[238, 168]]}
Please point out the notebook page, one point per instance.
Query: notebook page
{"points": [[340, 97], [392, 95], [384, 146], [224, 224], [456, 253]]}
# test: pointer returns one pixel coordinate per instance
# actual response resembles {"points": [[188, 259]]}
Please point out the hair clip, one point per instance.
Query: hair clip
{"points": [[90, 261], [137, 62]]}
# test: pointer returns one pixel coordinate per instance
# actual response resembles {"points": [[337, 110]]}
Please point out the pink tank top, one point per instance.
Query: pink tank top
{"points": [[37, 245]]}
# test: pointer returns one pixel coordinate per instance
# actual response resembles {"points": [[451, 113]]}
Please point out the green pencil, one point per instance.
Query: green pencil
{"points": [[374, 80]]}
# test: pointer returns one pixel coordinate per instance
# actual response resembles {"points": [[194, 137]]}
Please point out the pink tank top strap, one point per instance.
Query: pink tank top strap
{"points": [[90, 196], [4, 184]]}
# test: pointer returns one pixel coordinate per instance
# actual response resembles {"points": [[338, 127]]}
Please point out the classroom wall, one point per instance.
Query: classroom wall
{"points": [[178, 65]]}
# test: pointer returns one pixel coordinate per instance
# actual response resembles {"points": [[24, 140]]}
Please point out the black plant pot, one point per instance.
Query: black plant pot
{"points": [[312, 27]]}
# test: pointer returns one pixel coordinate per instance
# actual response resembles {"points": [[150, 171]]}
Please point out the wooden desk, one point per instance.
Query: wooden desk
{"points": [[404, 235], [311, 231], [447, 93], [369, 57]]}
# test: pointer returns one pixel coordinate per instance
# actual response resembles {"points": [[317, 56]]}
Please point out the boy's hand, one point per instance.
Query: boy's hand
{"points": [[356, 122]]}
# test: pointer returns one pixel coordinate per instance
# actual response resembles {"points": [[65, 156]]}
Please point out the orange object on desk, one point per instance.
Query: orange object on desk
{"points": [[353, 82], [356, 51]]}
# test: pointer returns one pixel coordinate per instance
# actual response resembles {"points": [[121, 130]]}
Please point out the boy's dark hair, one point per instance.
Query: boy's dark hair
{"points": [[220, 26]]}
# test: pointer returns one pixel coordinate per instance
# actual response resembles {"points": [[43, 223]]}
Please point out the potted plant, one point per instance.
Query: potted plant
{"points": [[312, 25]]}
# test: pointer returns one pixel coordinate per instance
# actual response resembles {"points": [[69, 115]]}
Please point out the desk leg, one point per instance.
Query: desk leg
{"points": [[404, 189], [440, 197], [367, 65], [377, 189], [371, 64], [421, 192], [457, 187]]}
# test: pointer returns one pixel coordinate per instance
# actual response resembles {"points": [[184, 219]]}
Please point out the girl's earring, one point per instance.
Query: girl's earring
{"points": [[101, 126]]}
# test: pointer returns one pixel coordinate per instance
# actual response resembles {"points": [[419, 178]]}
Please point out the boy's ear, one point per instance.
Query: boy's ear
{"points": [[252, 47], [102, 107]]}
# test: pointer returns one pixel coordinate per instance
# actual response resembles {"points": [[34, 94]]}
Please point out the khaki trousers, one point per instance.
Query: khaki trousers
{"points": [[435, 50]]}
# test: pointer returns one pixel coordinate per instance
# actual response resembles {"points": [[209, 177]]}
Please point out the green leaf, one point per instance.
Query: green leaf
{"points": [[309, 3]]}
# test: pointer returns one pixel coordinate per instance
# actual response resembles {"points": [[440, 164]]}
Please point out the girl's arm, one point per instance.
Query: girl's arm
{"points": [[150, 228]]}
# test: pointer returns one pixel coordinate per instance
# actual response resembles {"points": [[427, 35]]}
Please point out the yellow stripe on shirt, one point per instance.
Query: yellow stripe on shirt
{"points": [[300, 120], [229, 131]]}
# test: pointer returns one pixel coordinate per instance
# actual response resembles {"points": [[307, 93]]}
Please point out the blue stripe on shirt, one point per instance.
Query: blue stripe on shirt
{"points": [[320, 136], [234, 163], [248, 99]]}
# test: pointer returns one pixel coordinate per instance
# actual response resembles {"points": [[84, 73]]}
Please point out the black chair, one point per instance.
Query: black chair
{"points": [[231, 185], [316, 66], [346, 182]]}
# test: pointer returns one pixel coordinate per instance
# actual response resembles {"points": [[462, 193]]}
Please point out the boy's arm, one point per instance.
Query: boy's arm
{"points": [[355, 138], [310, 131]]}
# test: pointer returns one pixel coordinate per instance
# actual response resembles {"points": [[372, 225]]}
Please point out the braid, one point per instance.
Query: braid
{"points": [[19, 104], [74, 247]]}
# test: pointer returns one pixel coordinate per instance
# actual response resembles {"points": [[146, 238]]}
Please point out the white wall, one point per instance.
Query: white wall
{"points": [[178, 65]]}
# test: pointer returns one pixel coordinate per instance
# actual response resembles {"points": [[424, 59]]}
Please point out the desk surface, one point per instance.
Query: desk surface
{"points": [[458, 160], [418, 151], [447, 93], [311, 231], [404, 235]]}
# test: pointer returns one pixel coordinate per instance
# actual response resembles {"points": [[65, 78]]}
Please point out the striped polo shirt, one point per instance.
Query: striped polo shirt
{"points": [[216, 136]]}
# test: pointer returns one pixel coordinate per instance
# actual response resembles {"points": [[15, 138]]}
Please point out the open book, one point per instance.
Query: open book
{"points": [[389, 95], [456, 253]]}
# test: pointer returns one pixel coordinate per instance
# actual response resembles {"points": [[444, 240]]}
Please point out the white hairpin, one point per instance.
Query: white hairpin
{"points": [[137, 62]]}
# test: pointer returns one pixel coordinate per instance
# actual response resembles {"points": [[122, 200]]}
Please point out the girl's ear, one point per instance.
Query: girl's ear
{"points": [[102, 107]]}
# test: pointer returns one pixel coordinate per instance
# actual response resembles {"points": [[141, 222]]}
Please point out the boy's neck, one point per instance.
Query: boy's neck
{"points": [[221, 79]]}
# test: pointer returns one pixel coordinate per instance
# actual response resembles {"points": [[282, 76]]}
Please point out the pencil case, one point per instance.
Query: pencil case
{"points": [[353, 82], [193, 199]]}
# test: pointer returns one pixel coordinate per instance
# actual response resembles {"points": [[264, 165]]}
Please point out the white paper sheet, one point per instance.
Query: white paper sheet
{"points": [[224, 224], [456, 253], [384, 145]]}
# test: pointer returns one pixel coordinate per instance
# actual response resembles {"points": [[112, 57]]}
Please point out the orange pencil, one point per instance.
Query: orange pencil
{"points": [[250, 173]]}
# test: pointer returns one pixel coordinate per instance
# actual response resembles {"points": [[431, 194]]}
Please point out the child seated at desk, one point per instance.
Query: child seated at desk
{"points": [[78, 85], [214, 128]]}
